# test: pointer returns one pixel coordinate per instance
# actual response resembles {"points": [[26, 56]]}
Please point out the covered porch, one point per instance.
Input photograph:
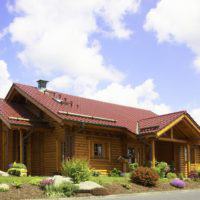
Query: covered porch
{"points": [[24, 145], [177, 143], [22, 135]]}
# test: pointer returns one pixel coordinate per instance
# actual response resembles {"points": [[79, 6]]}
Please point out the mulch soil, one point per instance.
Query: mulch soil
{"points": [[33, 192], [162, 186], [25, 192]]}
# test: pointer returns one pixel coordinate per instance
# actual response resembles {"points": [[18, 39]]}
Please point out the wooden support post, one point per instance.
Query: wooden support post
{"points": [[21, 147], [188, 159], [153, 156]]}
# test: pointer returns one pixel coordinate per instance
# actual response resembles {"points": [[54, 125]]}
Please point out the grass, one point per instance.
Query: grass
{"points": [[24, 180], [164, 180], [103, 179]]}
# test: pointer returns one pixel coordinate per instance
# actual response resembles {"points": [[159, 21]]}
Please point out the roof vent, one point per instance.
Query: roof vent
{"points": [[42, 85]]}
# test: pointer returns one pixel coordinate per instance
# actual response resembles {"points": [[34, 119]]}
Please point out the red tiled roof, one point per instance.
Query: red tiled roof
{"points": [[15, 114], [157, 123], [124, 116]]}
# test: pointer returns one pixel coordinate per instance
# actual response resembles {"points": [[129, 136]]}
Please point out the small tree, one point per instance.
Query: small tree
{"points": [[76, 169], [162, 169], [144, 176]]}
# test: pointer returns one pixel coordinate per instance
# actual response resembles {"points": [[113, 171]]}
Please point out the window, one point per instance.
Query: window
{"points": [[98, 150], [131, 154], [185, 154]]}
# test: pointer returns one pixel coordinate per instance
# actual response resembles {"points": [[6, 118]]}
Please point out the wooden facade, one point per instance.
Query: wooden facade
{"points": [[43, 148]]}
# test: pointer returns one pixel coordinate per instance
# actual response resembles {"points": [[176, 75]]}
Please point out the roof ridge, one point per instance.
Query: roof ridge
{"points": [[182, 111], [86, 98], [115, 104]]}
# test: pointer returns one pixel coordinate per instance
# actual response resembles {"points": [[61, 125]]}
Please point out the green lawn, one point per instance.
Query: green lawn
{"points": [[23, 180], [32, 179], [103, 180]]}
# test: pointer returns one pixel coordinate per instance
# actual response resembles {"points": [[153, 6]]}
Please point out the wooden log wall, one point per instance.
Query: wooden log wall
{"points": [[6, 155], [84, 149], [196, 165], [37, 153], [52, 148], [1, 146]]}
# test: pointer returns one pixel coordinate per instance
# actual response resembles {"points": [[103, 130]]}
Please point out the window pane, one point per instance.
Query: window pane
{"points": [[98, 150], [185, 154], [131, 154]]}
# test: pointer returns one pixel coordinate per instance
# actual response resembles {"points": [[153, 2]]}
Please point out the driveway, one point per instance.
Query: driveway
{"points": [[172, 195]]}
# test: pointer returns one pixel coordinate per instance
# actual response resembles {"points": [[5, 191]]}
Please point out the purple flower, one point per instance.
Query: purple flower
{"points": [[46, 182], [10, 165], [178, 183], [194, 175]]}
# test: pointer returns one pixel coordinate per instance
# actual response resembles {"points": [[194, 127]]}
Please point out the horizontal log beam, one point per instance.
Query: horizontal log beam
{"points": [[173, 140]]}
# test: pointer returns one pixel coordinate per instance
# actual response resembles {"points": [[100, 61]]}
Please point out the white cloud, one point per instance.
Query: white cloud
{"points": [[56, 41], [179, 21], [55, 35], [195, 113], [5, 81], [142, 96]]}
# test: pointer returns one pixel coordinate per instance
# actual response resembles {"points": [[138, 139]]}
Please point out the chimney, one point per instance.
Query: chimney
{"points": [[42, 85]]}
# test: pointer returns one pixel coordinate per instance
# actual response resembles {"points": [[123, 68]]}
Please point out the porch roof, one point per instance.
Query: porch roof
{"points": [[15, 114], [158, 123]]}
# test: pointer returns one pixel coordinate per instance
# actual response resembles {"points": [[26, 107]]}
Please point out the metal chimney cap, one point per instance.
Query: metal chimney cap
{"points": [[42, 84]]}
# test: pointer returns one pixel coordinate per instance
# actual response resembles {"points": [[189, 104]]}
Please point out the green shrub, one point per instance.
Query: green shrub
{"points": [[69, 189], [77, 169], [17, 184], [115, 173], [19, 165], [181, 176], [95, 173], [17, 169], [64, 190], [144, 176], [35, 181], [14, 172], [162, 168], [171, 175], [133, 166], [17, 172]]}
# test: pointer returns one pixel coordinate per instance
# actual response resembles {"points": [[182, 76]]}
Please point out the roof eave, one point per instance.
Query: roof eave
{"points": [[36, 103]]}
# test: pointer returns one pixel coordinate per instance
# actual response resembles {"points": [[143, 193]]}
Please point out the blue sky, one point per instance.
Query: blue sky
{"points": [[154, 64]]}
